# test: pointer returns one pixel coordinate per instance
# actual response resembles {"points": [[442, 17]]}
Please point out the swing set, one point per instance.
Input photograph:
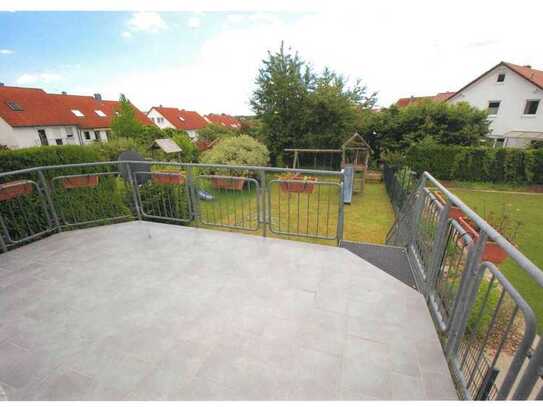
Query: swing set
{"points": [[352, 157]]}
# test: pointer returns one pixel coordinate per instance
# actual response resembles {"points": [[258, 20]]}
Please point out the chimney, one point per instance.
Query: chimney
{"points": [[64, 92], [97, 96]]}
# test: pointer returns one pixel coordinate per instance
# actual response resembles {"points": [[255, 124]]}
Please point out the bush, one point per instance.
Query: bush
{"points": [[214, 131], [181, 138], [241, 150], [480, 164]]}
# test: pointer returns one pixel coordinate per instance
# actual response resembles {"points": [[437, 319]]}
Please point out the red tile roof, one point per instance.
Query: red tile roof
{"points": [[440, 97], [182, 119], [45, 109], [224, 120]]}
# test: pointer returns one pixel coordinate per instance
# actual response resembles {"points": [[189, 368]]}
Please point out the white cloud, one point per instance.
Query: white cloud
{"points": [[194, 22], [126, 34], [147, 22], [392, 54], [44, 77], [5, 51]]}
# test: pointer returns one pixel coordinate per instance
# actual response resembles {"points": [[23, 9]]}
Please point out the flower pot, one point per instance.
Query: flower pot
{"points": [[14, 189], [235, 184], [172, 178], [454, 212], [492, 252], [301, 185], [80, 181]]}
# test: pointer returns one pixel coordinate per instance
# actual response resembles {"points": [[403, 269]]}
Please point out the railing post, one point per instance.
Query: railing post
{"points": [[133, 185], [264, 210], [193, 195], [47, 193], [438, 249], [341, 212], [3, 246], [467, 292], [531, 375]]}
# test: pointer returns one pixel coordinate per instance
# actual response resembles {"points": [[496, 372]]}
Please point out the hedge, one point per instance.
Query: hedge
{"points": [[502, 165]]}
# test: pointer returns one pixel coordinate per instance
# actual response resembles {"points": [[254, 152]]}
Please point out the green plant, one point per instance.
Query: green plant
{"points": [[215, 131], [124, 123], [241, 150]]}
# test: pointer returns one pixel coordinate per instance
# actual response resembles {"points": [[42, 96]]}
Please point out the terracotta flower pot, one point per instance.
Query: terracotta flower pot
{"points": [[301, 185], [80, 181], [234, 184], [492, 252], [14, 189], [173, 178], [454, 212]]}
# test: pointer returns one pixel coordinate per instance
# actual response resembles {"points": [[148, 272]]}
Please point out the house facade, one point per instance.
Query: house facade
{"points": [[512, 95], [30, 117], [180, 119]]}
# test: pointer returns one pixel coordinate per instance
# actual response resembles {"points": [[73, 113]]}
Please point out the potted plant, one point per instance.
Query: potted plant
{"points": [[454, 212], [14, 189], [231, 183], [168, 178], [301, 184], [80, 181], [492, 251]]}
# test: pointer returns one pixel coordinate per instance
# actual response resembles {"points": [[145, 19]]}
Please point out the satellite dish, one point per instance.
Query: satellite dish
{"points": [[135, 167]]}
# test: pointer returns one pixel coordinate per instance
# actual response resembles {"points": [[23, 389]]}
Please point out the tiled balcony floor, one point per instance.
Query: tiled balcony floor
{"points": [[150, 311]]}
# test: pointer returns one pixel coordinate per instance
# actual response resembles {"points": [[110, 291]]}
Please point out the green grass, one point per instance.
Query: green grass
{"points": [[527, 209]]}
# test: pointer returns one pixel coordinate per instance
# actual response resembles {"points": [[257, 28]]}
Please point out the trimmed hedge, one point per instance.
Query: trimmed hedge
{"points": [[502, 165]]}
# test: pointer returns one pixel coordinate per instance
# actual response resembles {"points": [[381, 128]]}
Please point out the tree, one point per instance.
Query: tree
{"points": [[215, 131], [124, 123], [299, 108]]}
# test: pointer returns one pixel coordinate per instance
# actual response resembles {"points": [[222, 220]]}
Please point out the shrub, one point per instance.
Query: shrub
{"points": [[190, 151], [214, 131], [241, 150]]}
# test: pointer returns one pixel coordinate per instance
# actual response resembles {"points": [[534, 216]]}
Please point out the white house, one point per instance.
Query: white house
{"points": [[513, 95], [31, 117], [180, 119]]}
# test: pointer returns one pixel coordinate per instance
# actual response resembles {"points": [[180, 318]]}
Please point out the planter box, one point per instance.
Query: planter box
{"points": [[306, 185], [454, 212], [492, 252], [14, 189], [80, 181], [234, 184], [166, 178]]}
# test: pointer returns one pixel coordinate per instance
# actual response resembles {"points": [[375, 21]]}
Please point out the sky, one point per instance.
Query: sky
{"points": [[208, 60]]}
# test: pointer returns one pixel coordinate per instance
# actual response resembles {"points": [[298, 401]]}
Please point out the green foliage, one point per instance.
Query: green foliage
{"points": [[396, 128], [536, 144], [299, 108], [124, 123], [190, 152], [241, 150], [481, 164], [215, 131]]}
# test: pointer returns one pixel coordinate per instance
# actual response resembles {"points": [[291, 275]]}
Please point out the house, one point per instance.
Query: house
{"points": [[223, 120], [440, 97], [174, 118], [512, 95], [32, 117]]}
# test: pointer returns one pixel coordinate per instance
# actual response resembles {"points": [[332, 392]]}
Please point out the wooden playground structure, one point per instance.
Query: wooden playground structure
{"points": [[355, 153]]}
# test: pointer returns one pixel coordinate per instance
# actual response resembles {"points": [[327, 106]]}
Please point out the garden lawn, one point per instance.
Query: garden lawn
{"points": [[527, 209]]}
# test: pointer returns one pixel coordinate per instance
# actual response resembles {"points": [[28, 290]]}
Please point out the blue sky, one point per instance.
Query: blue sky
{"points": [[207, 61]]}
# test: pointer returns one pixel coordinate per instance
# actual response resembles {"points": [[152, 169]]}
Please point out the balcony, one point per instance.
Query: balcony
{"points": [[135, 297]]}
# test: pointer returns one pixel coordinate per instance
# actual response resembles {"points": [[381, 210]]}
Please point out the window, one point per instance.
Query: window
{"points": [[69, 132], [59, 141], [499, 142], [87, 135], [77, 113], [100, 113], [14, 106], [97, 135], [43, 138], [531, 106], [501, 78], [108, 134], [493, 107]]}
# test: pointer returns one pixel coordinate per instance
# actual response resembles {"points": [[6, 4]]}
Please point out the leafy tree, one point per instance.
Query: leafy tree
{"points": [[182, 139], [396, 129], [124, 123], [299, 108], [215, 131]]}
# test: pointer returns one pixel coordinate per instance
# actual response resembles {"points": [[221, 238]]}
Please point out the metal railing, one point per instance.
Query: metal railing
{"points": [[486, 327], [297, 203]]}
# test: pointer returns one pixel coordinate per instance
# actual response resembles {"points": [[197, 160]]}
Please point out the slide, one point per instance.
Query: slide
{"points": [[348, 183]]}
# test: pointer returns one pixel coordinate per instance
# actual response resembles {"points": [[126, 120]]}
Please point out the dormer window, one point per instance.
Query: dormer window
{"points": [[501, 78], [100, 113], [77, 113], [15, 106], [182, 119]]}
